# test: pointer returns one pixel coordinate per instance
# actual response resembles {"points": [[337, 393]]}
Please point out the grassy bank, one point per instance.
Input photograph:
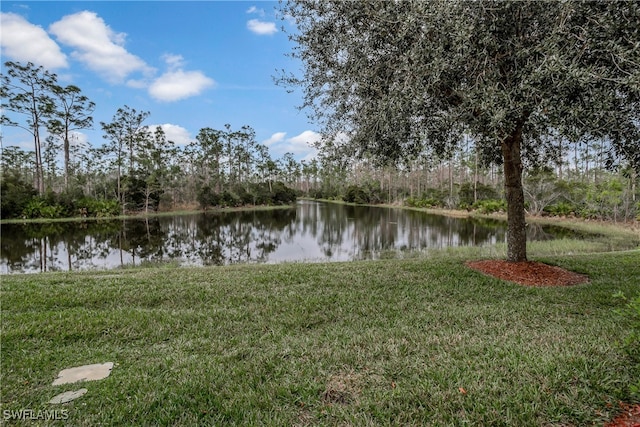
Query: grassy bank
{"points": [[392, 342], [597, 236]]}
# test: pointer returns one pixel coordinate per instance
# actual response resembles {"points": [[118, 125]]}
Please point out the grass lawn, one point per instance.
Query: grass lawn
{"points": [[390, 342]]}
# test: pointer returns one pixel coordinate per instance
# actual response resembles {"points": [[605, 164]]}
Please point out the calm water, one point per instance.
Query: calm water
{"points": [[310, 232]]}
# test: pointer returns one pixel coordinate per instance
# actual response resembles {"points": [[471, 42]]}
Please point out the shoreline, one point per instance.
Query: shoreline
{"points": [[138, 215], [568, 222]]}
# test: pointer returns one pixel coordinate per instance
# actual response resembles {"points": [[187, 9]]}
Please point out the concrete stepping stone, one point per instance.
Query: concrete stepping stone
{"points": [[67, 396], [94, 372]]}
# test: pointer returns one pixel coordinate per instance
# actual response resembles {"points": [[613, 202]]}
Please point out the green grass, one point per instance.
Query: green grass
{"points": [[390, 342]]}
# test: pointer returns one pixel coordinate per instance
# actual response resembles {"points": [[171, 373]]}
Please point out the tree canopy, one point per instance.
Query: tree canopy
{"points": [[517, 76]]}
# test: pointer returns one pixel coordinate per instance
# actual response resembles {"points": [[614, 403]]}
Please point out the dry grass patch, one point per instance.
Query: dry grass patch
{"points": [[343, 388]]}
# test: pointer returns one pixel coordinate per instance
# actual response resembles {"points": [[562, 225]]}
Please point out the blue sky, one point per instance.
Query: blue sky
{"points": [[191, 64]]}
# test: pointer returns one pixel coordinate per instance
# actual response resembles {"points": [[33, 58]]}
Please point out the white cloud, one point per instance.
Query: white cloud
{"points": [[176, 84], [98, 46], [310, 155], [24, 42], [275, 138], [301, 146], [306, 138], [255, 10], [137, 83], [179, 84], [261, 27], [175, 133], [304, 144], [173, 61]]}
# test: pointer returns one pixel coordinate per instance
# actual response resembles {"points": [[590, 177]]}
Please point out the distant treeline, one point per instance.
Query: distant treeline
{"points": [[139, 169]]}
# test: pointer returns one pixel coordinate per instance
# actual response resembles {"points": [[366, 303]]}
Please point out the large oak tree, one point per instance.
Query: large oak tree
{"points": [[400, 76]]}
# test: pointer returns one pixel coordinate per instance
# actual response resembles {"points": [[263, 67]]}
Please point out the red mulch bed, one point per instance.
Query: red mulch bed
{"points": [[528, 273], [630, 417]]}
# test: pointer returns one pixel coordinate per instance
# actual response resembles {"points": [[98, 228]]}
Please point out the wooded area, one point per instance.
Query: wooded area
{"points": [[137, 168]]}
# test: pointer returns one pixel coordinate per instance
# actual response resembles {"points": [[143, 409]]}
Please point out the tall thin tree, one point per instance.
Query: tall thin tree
{"points": [[26, 90], [72, 112], [124, 133]]}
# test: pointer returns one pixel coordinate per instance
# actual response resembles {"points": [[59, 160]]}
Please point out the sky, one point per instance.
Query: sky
{"points": [[190, 64]]}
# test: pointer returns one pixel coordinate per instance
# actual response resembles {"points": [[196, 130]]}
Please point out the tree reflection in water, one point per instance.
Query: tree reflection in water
{"points": [[309, 232]]}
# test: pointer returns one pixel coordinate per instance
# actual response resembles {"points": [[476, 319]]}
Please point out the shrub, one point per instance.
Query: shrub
{"points": [[38, 208], [242, 196], [490, 206], [434, 197], [261, 193], [316, 194], [355, 194], [329, 193], [411, 202], [102, 208], [588, 213], [561, 209], [16, 194], [282, 194], [205, 197], [423, 203], [228, 199], [431, 198], [33, 208], [483, 192], [376, 195], [605, 199], [52, 211], [68, 199]]}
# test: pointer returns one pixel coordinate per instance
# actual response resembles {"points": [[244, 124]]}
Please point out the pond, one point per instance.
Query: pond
{"points": [[309, 232]]}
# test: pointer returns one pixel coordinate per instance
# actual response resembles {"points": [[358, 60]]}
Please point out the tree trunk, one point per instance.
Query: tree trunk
{"points": [[633, 183], [450, 204], [39, 181], [560, 161], [516, 226], [475, 177], [66, 161]]}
